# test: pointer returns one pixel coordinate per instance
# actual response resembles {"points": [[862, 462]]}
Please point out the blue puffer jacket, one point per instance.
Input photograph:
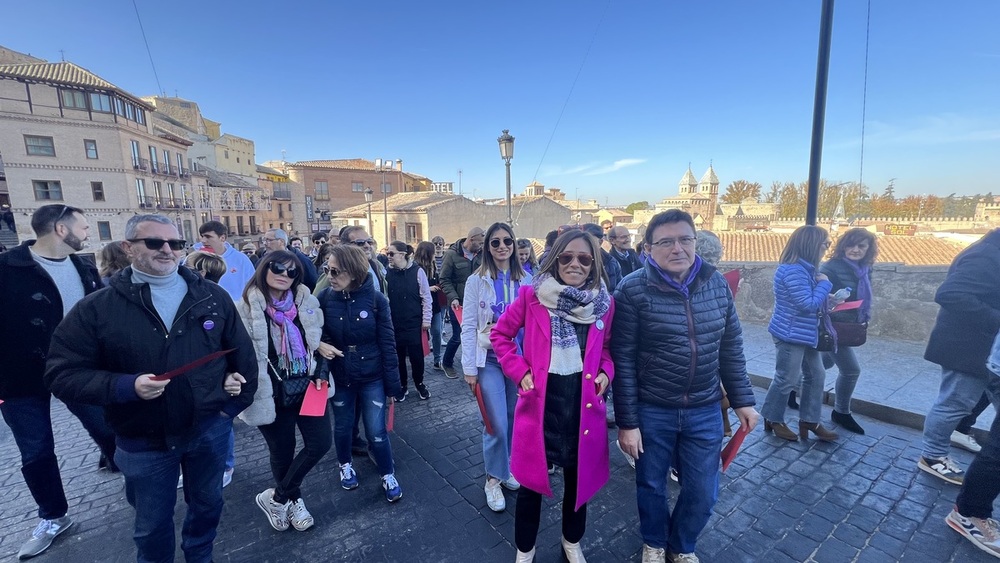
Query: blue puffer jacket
{"points": [[798, 298]]}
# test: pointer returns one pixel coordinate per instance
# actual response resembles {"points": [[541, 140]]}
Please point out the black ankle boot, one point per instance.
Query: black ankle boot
{"points": [[791, 401], [847, 422]]}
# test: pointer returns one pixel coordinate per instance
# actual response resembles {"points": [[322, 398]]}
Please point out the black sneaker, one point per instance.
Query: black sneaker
{"points": [[423, 392], [437, 366], [402, 396], [450, 372]]}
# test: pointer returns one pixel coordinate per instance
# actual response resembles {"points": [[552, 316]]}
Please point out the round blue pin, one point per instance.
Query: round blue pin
{"points": [[208, 325], [363, 314], [600, 324]]}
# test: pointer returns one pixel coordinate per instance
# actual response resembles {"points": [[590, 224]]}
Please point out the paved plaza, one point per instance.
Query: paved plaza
{"points": [[860, 499]]}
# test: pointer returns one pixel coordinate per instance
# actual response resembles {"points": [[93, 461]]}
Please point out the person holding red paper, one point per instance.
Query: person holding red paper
{"points": [[153, 318], [562, 374], [285, 322]]}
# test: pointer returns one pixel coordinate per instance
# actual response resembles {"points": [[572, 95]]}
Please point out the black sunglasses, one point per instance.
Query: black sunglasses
{"points": [[278, 269], [365, 242], [439, 244], [157, 243], [566, 258], [331, 272], [507, 241]]}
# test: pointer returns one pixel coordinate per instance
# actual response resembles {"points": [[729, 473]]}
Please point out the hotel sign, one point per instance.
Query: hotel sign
{"points": [[899, 230], [309, 208]]}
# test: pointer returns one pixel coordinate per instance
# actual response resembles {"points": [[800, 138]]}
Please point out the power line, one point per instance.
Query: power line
{"points": [[148, 52], [864, 97]]}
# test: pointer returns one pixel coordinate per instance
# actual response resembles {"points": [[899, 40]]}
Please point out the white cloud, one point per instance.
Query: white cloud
{"points": [[617, 165], [946, 128]]}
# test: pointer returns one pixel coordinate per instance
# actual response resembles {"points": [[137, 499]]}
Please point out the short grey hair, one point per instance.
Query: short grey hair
{"points": [[709, 247], [133, 224], [281, 234]]}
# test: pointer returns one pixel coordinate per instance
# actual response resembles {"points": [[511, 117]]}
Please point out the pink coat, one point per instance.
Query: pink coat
{"points": [[527, 460]]}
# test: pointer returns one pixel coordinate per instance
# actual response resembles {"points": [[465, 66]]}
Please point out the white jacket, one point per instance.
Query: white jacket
{"points": [[477, 312]]}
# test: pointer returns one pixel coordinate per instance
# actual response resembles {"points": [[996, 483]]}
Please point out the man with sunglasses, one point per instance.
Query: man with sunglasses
{"points": [[155, 318], [42, 279], [463, 258], [358, 236], [277, 239]]}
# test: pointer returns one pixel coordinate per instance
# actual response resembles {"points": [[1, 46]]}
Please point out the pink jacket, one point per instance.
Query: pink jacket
{"points": [[527, 461]]}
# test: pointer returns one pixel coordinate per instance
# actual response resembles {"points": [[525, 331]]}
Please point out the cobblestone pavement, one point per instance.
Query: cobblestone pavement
{"points": [[860, 499]]}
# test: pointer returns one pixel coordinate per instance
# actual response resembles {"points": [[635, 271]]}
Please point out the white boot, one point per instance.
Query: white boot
{"points": [[574, 553], [523, 557]]}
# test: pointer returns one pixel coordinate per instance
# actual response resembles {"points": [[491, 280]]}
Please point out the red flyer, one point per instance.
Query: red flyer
{"points": [[733, 446], [314, 403]]}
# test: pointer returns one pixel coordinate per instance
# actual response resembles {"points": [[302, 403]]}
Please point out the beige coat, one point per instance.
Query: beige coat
{"points": [[255, 319]]}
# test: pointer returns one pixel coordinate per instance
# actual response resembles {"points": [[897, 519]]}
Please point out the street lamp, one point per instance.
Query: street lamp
{"points": [[383, 166], [506, 153], [368, 200]]}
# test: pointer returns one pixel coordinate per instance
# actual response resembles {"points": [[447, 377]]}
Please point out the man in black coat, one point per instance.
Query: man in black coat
{"points": [[622, 251], [155, 318], [40, 281], [963, 334], [458, 263]]}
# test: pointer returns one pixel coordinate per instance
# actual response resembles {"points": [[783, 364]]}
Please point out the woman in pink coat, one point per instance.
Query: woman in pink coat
{"points": [[561, 376]]}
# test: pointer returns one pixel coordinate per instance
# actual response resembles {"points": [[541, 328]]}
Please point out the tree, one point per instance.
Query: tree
{"points": [[739, 191], [640, 205]]}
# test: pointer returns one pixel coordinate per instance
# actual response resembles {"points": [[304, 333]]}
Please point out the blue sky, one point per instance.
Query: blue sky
{"points": [[660, 84]]}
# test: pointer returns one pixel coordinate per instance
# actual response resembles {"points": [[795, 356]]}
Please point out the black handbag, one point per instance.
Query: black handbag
{"points": [[827, 340], [851, 334], [291, 388]]}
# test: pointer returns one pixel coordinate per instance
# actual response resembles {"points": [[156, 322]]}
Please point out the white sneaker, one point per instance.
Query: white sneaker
{"points": [[299, 516], [277, 513], [494, 495], [684, 558], [511, 484], [227, 477], [653, 554], [984, 533], [965, 441]]}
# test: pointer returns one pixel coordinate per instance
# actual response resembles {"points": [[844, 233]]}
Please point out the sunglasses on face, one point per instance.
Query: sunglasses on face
{"points": [[566, 258], [332, 272], [157, 243], [507, 241], [391, 254], [364, 242], [279, 269], [438, 244]]}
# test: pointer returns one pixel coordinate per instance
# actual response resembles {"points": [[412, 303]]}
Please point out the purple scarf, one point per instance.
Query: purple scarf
{"points": [[864, 290], [682, 288], [283, 314]]}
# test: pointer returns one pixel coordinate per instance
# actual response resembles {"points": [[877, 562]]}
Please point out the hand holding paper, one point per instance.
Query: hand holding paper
{"points": [[314, 402]]}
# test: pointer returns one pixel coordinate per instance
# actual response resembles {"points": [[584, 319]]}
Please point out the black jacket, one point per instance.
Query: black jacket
{"points": [[672, 352], [842, 275], [456, 269], [32, 308], [629, 263], [970, 309], [115, 335]]}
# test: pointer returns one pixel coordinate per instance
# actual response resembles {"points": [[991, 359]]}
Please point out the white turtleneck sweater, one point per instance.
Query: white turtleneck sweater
{"points": [[167, 291]]}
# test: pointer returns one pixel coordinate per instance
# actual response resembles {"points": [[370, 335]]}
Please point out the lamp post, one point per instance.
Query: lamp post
{"points": [[506, 153], [368, 200], [383, 166]]}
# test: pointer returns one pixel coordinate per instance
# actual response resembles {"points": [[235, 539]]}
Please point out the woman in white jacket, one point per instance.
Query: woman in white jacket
{"points": [[285, 323], [488, 292]]}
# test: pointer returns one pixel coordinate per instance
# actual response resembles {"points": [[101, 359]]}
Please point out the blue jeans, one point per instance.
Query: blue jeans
{"points": [[436, 329], [151, 488], [453, 343], [30, 422], [696, 434], [959, 393], [231, 454], [848, 371], [500, 397], [372, 401], [795, 363]]}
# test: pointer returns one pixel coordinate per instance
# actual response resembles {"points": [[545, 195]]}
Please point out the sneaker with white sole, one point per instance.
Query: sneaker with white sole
{"points": [[276, 512], [299, 516], [984, 533], [42, 537], [944, 469], [494, 495], [348, 478], [628, 458], [423, 392], [390, 485], [510, 484], [965, 441], [684, 558], [653, 554]]}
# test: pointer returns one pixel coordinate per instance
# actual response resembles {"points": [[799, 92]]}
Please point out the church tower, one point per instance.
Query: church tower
{"points": [[688, 185], [709, 184]]}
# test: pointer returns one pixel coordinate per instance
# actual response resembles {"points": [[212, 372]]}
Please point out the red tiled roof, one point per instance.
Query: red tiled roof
{"points": [[912, 251], [343, 164]]}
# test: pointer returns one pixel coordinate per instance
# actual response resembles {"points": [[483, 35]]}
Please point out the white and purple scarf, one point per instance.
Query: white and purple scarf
{"points": [[568, 305]]}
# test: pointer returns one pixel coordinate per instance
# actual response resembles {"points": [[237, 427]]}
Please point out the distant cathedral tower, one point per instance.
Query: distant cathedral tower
{"points": [[688, 185], [709, 184], [700, 199]]}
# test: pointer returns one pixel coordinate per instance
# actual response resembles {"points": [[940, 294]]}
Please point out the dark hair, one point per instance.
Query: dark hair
{"points": [[319, 235], [293, 239], [489, 267], [854, 237], [424, 257], [113, 259], [43, 220], [550, 238], [551, 264], [352, 260], [806, 244], [214, 226], [667, 217], [259, 279], [322, 254], [401, 246], [211, 265], [532, 259], [594, 229], [345, 233]]}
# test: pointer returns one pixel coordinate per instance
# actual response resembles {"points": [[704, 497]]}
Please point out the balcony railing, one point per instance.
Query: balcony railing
{"points": [[147, 203], [183, 173], [282, 193], [141, 164], [202, 173]]}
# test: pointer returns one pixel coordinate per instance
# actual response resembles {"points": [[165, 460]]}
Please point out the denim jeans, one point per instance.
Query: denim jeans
{"points": [[696, 434], [982, 484], [151, 488], [795, 363], [436, 329], [372, 400], [453, 343], [231, 454], [288, 468], [30, 422], [848, 371], [958, 395], [500, 397]]}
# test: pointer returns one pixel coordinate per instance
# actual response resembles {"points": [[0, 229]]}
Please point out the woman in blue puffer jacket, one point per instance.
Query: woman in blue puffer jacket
{"points": [[800, 294]]}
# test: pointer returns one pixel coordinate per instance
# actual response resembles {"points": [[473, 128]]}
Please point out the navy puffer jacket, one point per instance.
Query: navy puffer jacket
{"points": [[673, 352], [798, 298]]}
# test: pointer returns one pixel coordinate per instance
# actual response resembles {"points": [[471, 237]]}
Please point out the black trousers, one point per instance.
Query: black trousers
{"points": [[528, 513], [289, 468], [965, 425], [416, 354]]}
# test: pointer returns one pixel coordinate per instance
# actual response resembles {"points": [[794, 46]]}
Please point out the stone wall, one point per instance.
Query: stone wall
{"points": [[904, 297]]}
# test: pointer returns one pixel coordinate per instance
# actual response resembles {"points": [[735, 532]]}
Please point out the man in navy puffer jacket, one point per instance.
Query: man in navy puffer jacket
{"points": [[675, 337]]}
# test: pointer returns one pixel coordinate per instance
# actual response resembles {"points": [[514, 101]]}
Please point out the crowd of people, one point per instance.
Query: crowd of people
{"points": [[161, 349]]}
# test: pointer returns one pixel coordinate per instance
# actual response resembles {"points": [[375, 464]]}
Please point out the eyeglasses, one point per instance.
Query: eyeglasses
{"points": [[364, 242], [566, 258], [157, 243], [394, 254], [332, 272], [670, 242], [507, 241], [279, 269], [439, 244], [268, 240]]}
